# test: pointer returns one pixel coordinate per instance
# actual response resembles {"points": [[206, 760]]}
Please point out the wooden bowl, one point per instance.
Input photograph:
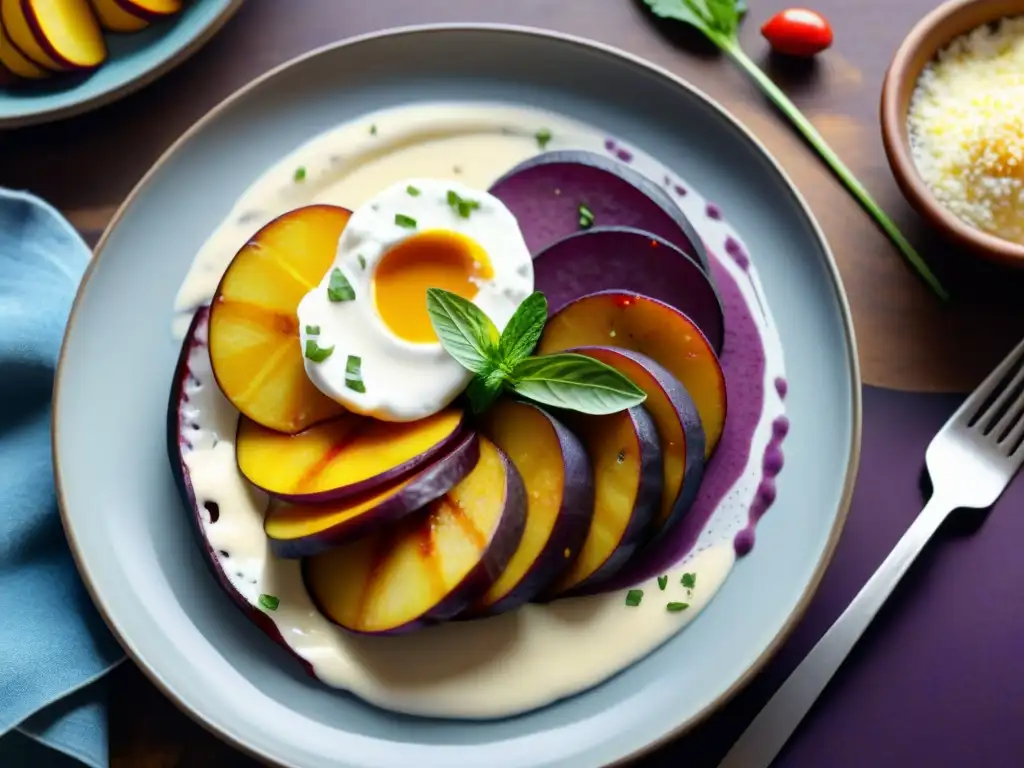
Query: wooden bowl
{"points": [[932, 33]]}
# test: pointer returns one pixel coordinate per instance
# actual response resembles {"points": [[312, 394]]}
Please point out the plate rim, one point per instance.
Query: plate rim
{"points": [[573, 40], [137, 83]]}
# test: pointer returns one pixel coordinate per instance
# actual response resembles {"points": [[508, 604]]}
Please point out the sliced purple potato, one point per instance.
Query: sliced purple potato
{"points": [[559, 501], [627, 259], [343, 458], [545, 194], [677, 423], [427, 567], [308, 529], [183, 418], [625, 456], [639, 323]]}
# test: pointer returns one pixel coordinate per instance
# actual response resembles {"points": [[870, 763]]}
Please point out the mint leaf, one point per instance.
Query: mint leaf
{"points": [[300, 173], [269, 602], [719, 18], [412, 191], [543, 136], [523, 330], [633, 597], [339, 288], [689, 580], [676, 607], [662, 582], [407, 222], [466, 333], [484, 390], [693, 12], [575, 382], [726, 14], [312, 330]]}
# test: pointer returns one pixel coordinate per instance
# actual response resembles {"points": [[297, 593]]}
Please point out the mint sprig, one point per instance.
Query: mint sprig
{"points": [[719, 21], [463, 330], [503, 362]]}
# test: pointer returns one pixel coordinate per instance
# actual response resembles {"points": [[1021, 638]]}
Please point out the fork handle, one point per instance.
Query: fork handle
{"points": [[771, 729]]}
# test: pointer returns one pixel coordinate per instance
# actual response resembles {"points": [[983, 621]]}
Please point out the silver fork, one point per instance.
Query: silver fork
{"points": [[970, 461]]}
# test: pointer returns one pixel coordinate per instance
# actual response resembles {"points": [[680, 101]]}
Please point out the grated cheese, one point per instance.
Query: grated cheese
{"points": [[966, 127]]}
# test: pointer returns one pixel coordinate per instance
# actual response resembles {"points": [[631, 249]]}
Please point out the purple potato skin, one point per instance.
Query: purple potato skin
{"points": [[570, 528], [503, 543], [693, 430], [425, 486], [627, 259], [645, 508], [346, 492], [176, 444], [616, 194]]}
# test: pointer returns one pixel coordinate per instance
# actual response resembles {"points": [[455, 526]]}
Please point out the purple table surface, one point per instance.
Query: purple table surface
{"points": [[938, 679]]}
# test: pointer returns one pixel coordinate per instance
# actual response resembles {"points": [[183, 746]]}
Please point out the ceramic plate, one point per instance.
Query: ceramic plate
{"points": [[132, 536], [135, 60]]}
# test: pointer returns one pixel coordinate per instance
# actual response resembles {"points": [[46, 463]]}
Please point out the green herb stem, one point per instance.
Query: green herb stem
{"points": [[816, 140]]}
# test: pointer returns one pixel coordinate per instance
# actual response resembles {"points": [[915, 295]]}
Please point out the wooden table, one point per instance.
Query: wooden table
{"points": [[907, 340]]}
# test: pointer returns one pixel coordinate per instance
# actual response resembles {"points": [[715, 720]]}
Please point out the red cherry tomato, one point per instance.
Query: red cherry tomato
{"points": [[798, 32]]}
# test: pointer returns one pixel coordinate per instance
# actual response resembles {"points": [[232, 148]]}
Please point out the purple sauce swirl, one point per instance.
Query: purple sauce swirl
{"points": [[738, 253], [771, 465]]}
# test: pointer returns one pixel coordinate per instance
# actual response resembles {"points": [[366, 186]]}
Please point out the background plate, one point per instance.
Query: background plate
{"points": [[135, 60], [125, 521]]}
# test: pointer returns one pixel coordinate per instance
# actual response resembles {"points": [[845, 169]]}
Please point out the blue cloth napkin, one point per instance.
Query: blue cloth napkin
{"points": [[54, 647]]}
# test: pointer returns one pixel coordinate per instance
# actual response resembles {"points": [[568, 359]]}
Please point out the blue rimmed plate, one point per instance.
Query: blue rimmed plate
{"points": [[133, 541]]}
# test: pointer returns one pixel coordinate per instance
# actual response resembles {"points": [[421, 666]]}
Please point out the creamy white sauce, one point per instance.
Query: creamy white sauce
{"points": [[486, 668]]}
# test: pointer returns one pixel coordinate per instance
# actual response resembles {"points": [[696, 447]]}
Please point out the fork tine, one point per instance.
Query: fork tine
{"points": [[1016, 434], [976, 400], [1000, 404]]}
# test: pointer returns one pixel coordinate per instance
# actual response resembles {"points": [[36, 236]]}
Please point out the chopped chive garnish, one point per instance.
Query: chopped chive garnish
{"points": [[362, 261], [354, 374], [662, 582], [316, 353], [461, 205], [312, 330], [269, 602], [676, 607], [339, 288], [300, 173], [412, 191], [633, 597], [586, 217], [373, 129], [543, 136], [405, 221], [689, 580]]}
